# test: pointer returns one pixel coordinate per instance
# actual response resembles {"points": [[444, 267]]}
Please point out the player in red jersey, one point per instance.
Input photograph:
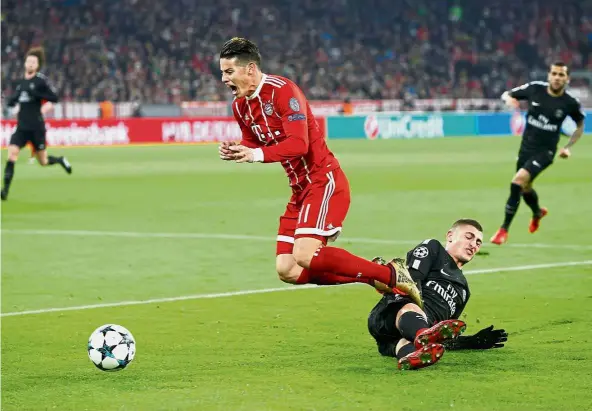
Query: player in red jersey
{"points": [[278, 127]]}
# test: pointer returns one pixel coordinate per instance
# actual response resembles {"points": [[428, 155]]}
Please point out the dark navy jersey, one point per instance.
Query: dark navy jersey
{"points": [[444, 287], [30, 94], [545, 115]]}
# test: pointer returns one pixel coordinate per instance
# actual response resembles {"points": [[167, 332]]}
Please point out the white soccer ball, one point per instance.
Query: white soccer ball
{"points": [[111, 347]]}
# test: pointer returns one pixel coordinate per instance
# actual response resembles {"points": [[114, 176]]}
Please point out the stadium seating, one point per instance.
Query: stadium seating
{"points": [[165, 51]]}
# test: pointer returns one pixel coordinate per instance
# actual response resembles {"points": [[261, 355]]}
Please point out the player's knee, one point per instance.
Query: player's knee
{"points": [[13, 153], [522, 178], [304, 250], [286, 270], [406, 308], [303, 256]]}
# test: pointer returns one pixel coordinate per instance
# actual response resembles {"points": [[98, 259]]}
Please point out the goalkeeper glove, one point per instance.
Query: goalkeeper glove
{"points": [[485, 339]]}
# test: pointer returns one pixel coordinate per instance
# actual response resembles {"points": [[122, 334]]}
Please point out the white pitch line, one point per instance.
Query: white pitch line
{"points": [[247, 237], [266, 290]]}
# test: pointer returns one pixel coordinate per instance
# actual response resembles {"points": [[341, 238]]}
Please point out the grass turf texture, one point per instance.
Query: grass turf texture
{"points": [[302, 350]]}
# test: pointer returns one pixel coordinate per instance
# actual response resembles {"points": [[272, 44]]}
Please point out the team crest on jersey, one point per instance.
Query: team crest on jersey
{"points": [[559, 113], [268, 109], [421, 252], [294, 105]]}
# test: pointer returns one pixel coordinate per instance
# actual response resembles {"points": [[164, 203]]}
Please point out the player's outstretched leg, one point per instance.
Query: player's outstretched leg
{"points": [[290, 272], [339, 261]]}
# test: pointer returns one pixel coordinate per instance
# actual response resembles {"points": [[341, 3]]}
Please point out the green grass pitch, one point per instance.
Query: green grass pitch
{"points": [[141, 223]]}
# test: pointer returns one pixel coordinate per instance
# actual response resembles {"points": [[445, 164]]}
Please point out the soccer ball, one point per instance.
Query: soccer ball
{"points": [[111, 347]]}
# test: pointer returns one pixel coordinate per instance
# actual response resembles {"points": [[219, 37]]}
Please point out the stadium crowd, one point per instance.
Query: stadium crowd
{"points": [[166, 51]]}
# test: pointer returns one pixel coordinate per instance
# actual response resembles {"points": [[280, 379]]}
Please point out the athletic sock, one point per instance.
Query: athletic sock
{"points": [[8, 174], [327, 278], [532, 199], [344, 263], [410, 323], [512, 204]]}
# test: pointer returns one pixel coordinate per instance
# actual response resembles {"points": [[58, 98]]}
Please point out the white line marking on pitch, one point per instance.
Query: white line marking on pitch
{"points": [[267, 290], [210, 236]]}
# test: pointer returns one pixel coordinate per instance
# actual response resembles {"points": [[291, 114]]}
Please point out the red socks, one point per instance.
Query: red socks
{"points": [[326, 278], [345, 264]]}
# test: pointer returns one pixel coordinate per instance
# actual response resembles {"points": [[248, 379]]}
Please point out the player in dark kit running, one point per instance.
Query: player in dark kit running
{"points": [[278, 126], [549, 103], [30, 92], [402, 329]]}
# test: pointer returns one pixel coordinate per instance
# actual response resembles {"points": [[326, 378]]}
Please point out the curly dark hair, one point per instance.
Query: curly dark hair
{"points": [[244, 50]]}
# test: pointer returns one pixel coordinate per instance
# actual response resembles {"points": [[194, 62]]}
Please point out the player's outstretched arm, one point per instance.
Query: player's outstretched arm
{"points": [[523, 92], [485, 339], [510, 101]]}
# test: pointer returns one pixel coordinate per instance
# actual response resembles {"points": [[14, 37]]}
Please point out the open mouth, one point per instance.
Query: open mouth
{"points": [[234, 89]]}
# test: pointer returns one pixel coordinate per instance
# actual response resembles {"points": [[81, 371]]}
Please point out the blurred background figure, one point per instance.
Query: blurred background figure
{"points": [[164, 51]]}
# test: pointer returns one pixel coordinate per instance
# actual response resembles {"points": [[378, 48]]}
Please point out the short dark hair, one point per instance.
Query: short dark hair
{"points": [[38, 52], [467, 221], [244, 50], [560, 64]]}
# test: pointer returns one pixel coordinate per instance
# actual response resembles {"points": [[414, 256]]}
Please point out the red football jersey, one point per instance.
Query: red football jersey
{"points": [[277, 119]]}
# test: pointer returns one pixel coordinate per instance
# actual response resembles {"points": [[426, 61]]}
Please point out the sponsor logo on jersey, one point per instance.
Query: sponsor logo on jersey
{"points": [[448, 294], [541, 122]]}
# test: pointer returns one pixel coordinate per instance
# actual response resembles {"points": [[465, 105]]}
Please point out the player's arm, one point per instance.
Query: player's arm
{"points": [[523, 92], [45, 91], [578, 116], [290, 105], [12, 100], [421, 259], [485, 339]]}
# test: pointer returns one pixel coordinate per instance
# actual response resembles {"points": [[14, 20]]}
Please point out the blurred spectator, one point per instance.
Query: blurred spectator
{"points": [[347, 109], [166, 50]]}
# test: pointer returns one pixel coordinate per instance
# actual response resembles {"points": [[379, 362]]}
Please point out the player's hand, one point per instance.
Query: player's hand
{"points": [[488, 338], [46, 107], [513, 103], [242, 154], [224, 150], [564, 153]]}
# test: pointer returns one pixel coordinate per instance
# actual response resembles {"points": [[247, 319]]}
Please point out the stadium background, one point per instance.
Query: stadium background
{"points": [[158, 59], [178, 246]]}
